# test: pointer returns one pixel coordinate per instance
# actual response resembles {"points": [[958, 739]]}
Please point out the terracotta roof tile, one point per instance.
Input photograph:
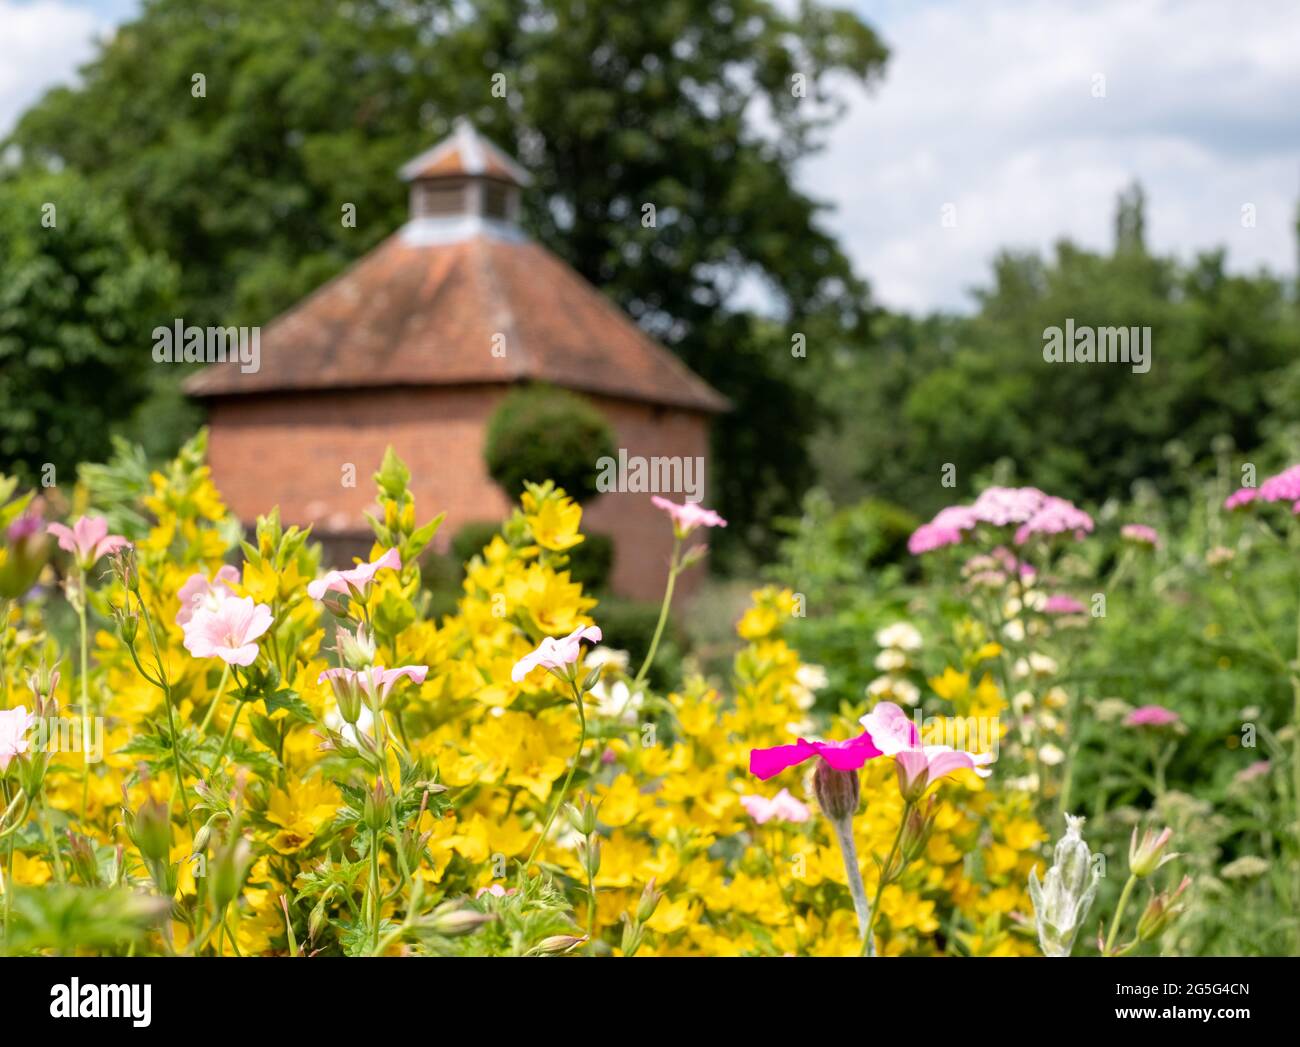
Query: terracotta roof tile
{"points": [[426, 313]]}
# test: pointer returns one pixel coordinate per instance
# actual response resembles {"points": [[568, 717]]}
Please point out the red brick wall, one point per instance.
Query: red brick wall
{"points": [[291, 451]]}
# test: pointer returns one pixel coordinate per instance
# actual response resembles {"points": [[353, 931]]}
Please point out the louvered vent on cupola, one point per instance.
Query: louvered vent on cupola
{"points": [[465, 175]]}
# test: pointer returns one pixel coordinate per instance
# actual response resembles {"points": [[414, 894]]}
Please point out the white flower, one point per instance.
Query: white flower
{"points": [[616, 700], [1056, 698], [1051, 755], [1014, 630], [890, 660], [811, 676], [1022, 702], [895, 687], [366, 722], [901, 636], [607, 656]]}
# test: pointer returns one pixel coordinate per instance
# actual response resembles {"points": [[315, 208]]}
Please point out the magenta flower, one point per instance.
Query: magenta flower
{"points": [[360, 577], [14, 725], [918, 766], [1151, 716], [376, 682], [842, 756], [555, 654], [687, 517], [1140, 534], [782, 808], [228, 631], [88, 539], [1060, 603], [199, 592]]}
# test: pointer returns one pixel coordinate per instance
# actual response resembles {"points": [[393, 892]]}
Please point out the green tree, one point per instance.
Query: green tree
{"points": [[78, 300], [307, 105]]}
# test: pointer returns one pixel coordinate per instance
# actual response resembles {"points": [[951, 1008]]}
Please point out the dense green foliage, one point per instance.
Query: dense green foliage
{"points": [[973, 390], [540, 433], [78, 297]]}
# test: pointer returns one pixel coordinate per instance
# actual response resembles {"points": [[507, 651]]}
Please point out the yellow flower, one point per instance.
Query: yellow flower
{"points": [[301, 811], [554, 522]]}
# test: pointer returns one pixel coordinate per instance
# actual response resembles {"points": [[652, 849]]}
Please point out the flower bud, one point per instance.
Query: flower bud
{"points": [[917, 828], [837, 791], [150, 829], [582, 819], [1146, 857], [557, 944], [1161, 911], [1062, 900], [84, 863], [450, 920], [378, 809], [649, 902], [229, 868]]}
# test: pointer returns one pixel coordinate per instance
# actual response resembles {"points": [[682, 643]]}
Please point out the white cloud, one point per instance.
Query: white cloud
{"points": [[990, 107], [41, 45]]}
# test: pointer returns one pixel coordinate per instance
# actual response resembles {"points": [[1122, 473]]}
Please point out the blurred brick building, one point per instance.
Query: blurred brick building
{"points": [[415, 345]]}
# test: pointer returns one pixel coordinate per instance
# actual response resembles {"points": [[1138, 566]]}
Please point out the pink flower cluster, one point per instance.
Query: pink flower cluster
{"points": [[1284, 487], [1027, 509], [1140, 534]]}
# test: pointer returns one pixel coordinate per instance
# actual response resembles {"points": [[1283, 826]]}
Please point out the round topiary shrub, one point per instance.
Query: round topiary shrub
{"points": [[540, 433]]}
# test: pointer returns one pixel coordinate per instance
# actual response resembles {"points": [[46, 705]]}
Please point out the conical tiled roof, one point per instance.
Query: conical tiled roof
{"points": [[461, 298]]}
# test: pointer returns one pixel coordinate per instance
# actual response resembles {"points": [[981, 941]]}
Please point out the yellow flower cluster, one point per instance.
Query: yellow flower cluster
{"points": [[272, 826]]}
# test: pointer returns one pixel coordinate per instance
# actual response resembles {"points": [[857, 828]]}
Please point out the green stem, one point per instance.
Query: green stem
{"points": [[376, 905], [868, 945], [1119, 913], [225, 739], [52, 844], [564, 789], [85, 698], [221, 690], [673, 568], [591, 903], [843, 828]]}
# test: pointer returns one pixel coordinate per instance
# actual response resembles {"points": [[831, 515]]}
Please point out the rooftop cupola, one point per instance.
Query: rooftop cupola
{"points": [[465, 182]]}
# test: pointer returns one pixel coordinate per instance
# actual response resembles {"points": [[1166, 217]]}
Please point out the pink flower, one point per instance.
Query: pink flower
{"points": [[688, 517], [1256, 770], [1002, 506], [377, 682], [555, 654], [228, 631], [1242, 497], [88, 539], [782, 807], [1151, 716], [1059, 603], [359, 577], [842, 756], [14, 725], [199, 592], [918, 766], [1027, 508], [496, 890], [1140, 534], [1284, 487], [1055, 516]]}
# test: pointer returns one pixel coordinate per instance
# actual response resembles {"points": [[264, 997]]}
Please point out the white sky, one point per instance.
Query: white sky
{"points": [[988, 105]]}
